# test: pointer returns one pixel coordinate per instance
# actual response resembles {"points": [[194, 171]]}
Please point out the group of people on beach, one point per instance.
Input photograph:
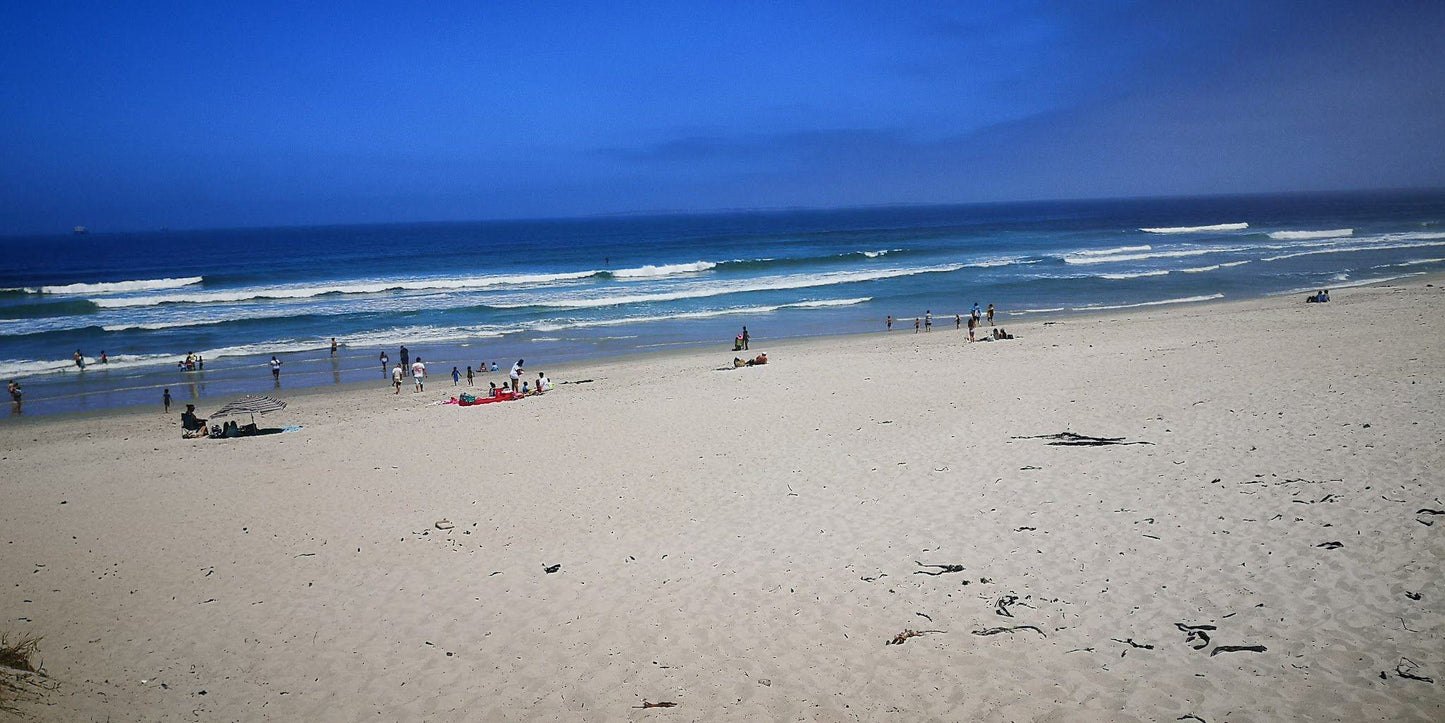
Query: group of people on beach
{"points": [[193, 362], [976, 317], [1318, 298], [80, 359]]}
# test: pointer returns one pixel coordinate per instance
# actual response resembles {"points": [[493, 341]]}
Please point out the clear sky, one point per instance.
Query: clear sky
{"points": [[136, 115]]}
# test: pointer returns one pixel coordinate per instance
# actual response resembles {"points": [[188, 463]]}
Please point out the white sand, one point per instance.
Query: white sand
{"points": [[743, 543]]}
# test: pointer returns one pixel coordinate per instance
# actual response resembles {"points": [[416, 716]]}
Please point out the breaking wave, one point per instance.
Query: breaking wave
{"points": [[1198, 229], [1137, 275], [1305, 235]]}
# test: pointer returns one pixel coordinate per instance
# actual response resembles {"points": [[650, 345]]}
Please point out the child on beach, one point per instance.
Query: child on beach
{"points": [[456, 376], [396, 376], [889, 321], [990, 314], [915, 325], [166, 400], [957, 321], [469, 376]]}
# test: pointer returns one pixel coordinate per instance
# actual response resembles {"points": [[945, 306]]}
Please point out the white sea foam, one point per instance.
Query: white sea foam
{"points": [[1137, 275], [342, 287], [1213, 267], [1412, 262], [652, 272], [1377, 246], [1004, 261], [1110, 252], [117, 287], [1303, 235], [1180, 253], [1198, 229], [12, 368], [769, 283], [1037, 311], [1347, 285], [1161, 302], [562, 324]]}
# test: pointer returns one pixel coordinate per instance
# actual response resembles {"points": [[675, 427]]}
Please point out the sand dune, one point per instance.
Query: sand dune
{"points": [[746, 543]]}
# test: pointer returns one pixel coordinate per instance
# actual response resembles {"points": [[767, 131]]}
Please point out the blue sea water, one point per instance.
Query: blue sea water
{"points": [[459, 294]]}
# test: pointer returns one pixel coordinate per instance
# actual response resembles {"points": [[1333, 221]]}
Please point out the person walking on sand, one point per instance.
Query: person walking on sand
{"points": [[456, 376], [990, 314], [469, 376], [333, 346], [957, 322], [275, 368], [928, 321], [889, 322], [418, 375], [916, 325], [972, 324], [384, 361], [166, 400], [517, 374], [746, 337], [405, 358], [396, 376], [977, 312]]}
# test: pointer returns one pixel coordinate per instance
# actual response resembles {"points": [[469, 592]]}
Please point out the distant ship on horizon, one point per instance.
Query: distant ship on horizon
{"points": [[79, 230]]}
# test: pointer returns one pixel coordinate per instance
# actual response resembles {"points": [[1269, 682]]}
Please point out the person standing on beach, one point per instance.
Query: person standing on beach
{"points": [[396, 376], [469, 376], [456, 376], [915, 325], [746, 337], [977, 313], [889, 322], [990, 314], [972, 324], [405, 357], [517, 374], [928, 321], [418, 375], [166, 400], [275, 368], [384, 360], [333, 346]]}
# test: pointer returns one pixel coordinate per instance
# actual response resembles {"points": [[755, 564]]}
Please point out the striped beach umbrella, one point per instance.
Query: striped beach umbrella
{"points": [[251, 405]]}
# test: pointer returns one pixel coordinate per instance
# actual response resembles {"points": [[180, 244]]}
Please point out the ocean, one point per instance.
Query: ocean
{"points": [[459, 294]]}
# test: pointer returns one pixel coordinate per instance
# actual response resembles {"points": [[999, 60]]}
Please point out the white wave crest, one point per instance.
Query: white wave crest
{"points": [[1347, 285], [1198, 229], [1161, 302], [1181, 253], [880, 252], [1378, 246], [774, 283], [1214, 267], [1305, 235], [343, 287], [1137, 275], [651, 272], [119, 287], [1110, 252]]}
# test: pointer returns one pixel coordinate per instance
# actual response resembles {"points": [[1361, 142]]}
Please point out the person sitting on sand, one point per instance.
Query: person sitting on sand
{"points": [[543, 383], [493, 391]]}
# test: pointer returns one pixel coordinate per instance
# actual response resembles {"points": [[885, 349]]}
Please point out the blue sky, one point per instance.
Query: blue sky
{"points": [[128, 116]]}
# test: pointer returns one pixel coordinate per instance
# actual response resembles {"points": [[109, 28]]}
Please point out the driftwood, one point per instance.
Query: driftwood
{"points": [[1331, 545], [1406, 669], [1428, 514], [1196, 633], [1069, 439], [941, 569], [1130, 642], [1010, 631], [549, 569], [1237, 649], [663, 704], [903, 637]]}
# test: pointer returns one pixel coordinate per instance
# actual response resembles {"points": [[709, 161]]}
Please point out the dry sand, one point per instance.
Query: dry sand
{"points": [[745, 543]]}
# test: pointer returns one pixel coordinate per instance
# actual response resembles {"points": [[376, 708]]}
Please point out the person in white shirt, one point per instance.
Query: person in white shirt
{"points": [[516, 376], [275, 368], [396, 376], [543, 383], [418, 374]]}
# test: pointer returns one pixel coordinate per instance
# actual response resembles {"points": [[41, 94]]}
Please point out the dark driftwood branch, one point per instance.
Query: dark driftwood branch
{"points": [[1010, 631], [1069, 439]]}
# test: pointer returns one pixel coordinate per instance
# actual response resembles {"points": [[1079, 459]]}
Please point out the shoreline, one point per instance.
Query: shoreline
{"points": [[574, 367], [749, 544]]}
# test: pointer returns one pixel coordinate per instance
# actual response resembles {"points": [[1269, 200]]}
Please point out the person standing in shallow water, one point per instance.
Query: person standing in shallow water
{"points": [[746, 337], [928, 321], [405, 358], [166, 400], [384, 360], [889, 322], [275, 368], [333, 346]]}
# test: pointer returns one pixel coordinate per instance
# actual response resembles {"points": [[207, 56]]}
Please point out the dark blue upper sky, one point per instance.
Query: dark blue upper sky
{"points": [[139, 115]]}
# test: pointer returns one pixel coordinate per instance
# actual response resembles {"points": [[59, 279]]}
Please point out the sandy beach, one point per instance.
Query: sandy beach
{"points": [[1266, 544]]}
